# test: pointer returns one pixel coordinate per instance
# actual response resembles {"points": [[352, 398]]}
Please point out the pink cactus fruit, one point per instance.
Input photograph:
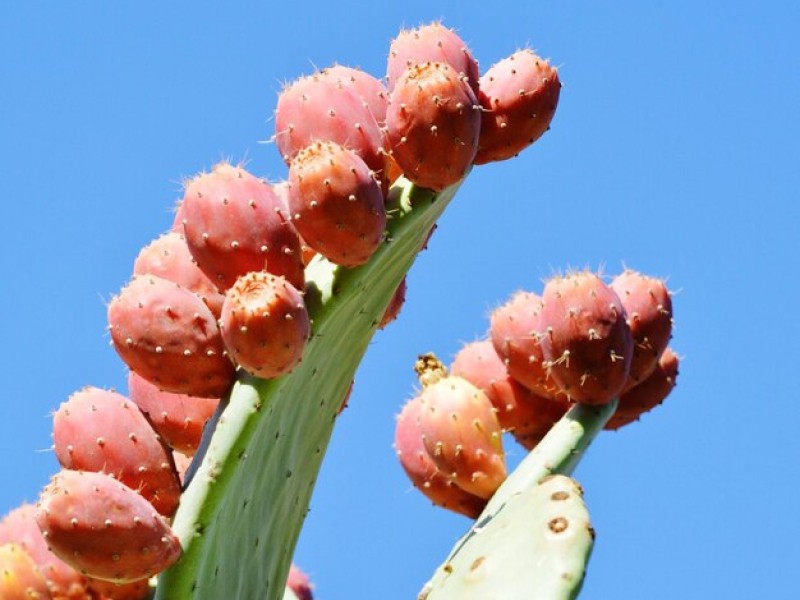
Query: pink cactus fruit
{"points": [[519, 96], [20, 578], [527, 416], [108, 590], [281, 190], [103, 528], [438, 487], [460, 429], [369, 89], [182, 463], [648, 304], [234, 224], [168, 257], [515, 335], [328, 107], [648, 394], [430, 43], [265, 324], [395, 304], [433, 125], [179, 419], [585, 340], [336, 204], [300, 583], [63, 582], [100, 430], [168, 336]]}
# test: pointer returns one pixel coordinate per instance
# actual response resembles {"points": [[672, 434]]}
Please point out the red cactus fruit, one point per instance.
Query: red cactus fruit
{"points": [[281, 190], [168, 257], [585, 340], [265, 324], [299, 582], [460, 430], [519, 95], [527, 416], [234, 225], [438, 487], [169, 337], [395, 304], [370, 89], [182, 463], [648, 394], [104, 528], [63, 582], [515, 335], [179, 419], [336, 204], [101, 430], [648, 305], [327, 107], [20, 578], [108, 590], [430, 43], [433, 125]]}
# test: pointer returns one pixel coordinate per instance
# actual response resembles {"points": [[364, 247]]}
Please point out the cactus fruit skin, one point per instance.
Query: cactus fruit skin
{"points": [[526, 415], [324, 107], [19, 527], [265, 324], [395, 304], [438, 487], [300, 584], [336, 204], [433, 125], [169, 336], [460, 430], [431, 43], [648, 305], [168, 257], [102, 431], [133, 590], [585, 339], [645, 396], [515, 334], [20, 578], [369, 89], [233, 225], [519, 96], [104, 528], [179, 419]]}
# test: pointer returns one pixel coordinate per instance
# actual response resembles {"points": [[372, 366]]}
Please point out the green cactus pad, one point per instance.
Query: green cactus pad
{"points": [[240, 517]]}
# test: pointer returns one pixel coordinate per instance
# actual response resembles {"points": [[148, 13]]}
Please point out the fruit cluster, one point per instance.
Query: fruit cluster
{"points": [[224, 290], [581, 341]]}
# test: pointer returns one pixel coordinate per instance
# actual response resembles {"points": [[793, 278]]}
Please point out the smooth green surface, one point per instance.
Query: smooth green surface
{"points": [[240, 518], [535, 548]]}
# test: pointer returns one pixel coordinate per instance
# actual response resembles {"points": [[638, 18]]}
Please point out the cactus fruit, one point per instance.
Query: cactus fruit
{"points": [[179, 419], [648, 305], [234, 225], [169, 337], [300, 584], [324, 107], [459, 429], [168, 257], [369, 89], [430, 43], [395, 304], [265, 324], [336, 204], [585, 340], [526, 415], [437, 486], [20, 578], [19, 527], [433, 125], [133, 590], [519, 96], [645, 396], [103, 528], [100, 430], [515, 334]]}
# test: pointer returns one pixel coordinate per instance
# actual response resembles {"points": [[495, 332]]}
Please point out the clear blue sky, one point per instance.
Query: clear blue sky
{"points": [[674, 151]]}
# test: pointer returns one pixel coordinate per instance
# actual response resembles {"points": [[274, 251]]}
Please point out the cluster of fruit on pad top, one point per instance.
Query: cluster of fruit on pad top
{"points": [[225, 289], [582, 341]]}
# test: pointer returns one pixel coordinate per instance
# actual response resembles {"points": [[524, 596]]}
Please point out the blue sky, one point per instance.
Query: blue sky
{"points": [[674, 151]]}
